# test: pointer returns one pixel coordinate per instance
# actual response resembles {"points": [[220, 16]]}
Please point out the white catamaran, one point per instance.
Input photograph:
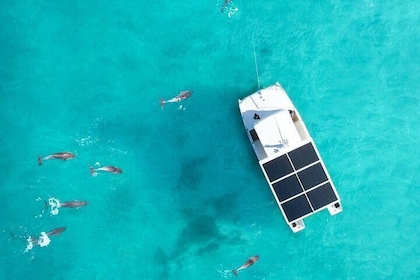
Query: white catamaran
{"points": [[288, 157]]}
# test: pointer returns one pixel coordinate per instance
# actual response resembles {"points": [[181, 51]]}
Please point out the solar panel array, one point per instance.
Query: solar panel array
{"points": [[300, 182]]}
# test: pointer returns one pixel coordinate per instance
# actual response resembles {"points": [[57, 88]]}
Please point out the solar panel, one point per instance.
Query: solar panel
{"points": [[300, 182], [277, 168], [287, 187], [303, 156], [321, 196], [312, 176], [296, 208]]}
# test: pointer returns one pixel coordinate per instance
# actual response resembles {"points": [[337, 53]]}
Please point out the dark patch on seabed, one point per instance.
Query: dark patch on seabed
{"points": [[224, 207], [200, 236], [202, 231], [192, 172]]}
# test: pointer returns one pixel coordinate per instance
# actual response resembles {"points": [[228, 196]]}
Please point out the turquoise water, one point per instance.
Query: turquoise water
{"points": [[192, 203]]}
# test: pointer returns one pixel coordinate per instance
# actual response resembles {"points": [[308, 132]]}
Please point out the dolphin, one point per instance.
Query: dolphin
{"points": [[60, 155], [53, 204], [181, 96], [108, 168], [247, 264], [56, 231], [73, 204], [43, 240]]}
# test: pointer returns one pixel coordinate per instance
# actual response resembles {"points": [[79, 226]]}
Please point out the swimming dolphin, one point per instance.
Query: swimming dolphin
{"points": [[247, 264], [73, 204], [53, 204], [181, 96], [60, 155], [56, 231], [108, 168], [43, 240]]}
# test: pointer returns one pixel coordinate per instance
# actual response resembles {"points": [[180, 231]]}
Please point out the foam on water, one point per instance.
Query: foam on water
{"points": [[30, 245], [42, 241], [54, 205]]}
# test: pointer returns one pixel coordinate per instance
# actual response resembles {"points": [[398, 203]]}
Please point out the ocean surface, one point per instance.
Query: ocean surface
{"points": [[192, 203]]}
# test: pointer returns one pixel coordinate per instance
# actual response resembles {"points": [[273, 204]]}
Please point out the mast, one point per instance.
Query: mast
{"points": [[256, 66]]}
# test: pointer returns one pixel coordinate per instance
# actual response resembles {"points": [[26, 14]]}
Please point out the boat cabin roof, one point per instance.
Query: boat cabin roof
{"points": [[276, 132]]}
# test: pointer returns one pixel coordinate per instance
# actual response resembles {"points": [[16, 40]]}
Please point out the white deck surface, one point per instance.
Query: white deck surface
{"points": [[277, 132], [271, 98], [264, 103]]}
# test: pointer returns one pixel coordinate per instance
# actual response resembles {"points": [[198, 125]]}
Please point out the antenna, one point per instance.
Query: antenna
{"points": [[256, 65]]}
